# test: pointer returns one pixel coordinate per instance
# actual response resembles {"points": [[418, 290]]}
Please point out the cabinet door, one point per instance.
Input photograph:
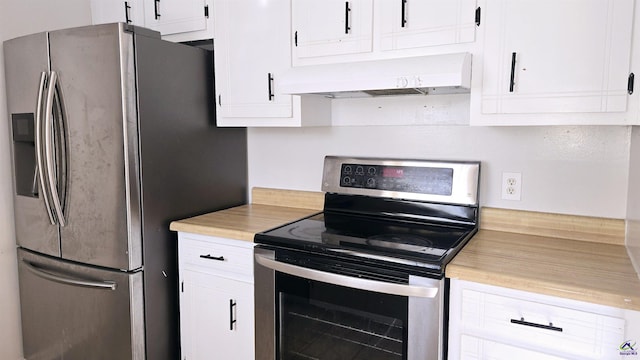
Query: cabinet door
{"points": [[332, 27], [409, 24], [551, 56], [176, 16], [252, 50], [110, 11], [216, 317]]}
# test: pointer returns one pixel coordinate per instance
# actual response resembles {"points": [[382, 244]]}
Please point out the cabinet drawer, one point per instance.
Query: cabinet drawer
{"points": [[541, 326], [228, 258], [476, 348]]}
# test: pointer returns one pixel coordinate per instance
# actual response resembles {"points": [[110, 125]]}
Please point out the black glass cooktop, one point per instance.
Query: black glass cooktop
{"points": [[398, 241]]}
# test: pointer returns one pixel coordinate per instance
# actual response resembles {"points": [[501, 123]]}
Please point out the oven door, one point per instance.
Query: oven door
{"points": [[306, 313]]}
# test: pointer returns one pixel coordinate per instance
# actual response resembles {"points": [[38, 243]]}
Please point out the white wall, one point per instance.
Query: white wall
{"points": [[21, 17], [580, 170]]}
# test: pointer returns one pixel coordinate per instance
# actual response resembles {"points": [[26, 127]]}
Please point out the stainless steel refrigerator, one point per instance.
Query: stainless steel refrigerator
{"points": [[113, 137]]}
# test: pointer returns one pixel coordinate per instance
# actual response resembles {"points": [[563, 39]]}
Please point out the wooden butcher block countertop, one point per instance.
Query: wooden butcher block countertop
{"points": [[269, 208], [580, 258], [574, 257]]}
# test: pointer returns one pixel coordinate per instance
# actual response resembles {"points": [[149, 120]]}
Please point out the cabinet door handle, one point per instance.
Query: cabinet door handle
{"points": [[232, 320], [126, 12], [630, 83], [270, 85], [156, 9], [208, 256], [347, 10], [403, 21], [539, 326], [513, 71]]}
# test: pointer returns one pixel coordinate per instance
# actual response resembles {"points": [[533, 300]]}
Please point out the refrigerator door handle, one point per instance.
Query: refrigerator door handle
{"points": [[39, 155], [109, 285], [48, 146]]}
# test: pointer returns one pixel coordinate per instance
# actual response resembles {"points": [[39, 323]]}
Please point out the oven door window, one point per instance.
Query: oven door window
{"points": [[324, 321]]}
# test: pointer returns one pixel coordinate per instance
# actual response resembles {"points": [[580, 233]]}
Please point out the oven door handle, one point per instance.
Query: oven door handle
{"points": [[348, 281]]}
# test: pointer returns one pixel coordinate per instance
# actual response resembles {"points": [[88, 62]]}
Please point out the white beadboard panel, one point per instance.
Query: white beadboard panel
{"points": [[17, 18], [580, 170], [633, 205]]}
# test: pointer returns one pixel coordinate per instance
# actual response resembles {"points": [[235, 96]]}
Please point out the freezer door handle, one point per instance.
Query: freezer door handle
{"points": [[48, 147], [74, 281], [39, 155]]}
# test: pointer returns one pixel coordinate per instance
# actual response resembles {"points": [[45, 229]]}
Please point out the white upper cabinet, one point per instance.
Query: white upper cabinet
{"points": [[326, 31], [252, 51], [179, 20], [407, 24], [176, 20], [110, 11], [332, 27], [553, 62]]}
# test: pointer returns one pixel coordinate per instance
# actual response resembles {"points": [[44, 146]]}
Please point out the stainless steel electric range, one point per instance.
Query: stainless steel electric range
{"points": [[364, 279]]}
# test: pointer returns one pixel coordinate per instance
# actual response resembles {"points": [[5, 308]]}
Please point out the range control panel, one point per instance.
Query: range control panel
{"points": [[411, 179]]}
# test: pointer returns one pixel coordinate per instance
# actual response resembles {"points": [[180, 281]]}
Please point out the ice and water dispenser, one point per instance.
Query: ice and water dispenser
{"points": [[24, 154]]}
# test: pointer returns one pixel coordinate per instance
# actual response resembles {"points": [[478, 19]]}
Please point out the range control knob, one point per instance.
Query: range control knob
{"points": [[371, 182]]}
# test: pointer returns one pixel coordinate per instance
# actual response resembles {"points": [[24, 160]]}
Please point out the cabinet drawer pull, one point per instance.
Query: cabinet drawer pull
{"points": [[540, 326], [232, 321], [513, 71], [208, 256]]}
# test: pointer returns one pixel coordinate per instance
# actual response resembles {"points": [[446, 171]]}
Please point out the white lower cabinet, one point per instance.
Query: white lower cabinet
{"points": [[472, 347], [488, 322], [216, 298]]}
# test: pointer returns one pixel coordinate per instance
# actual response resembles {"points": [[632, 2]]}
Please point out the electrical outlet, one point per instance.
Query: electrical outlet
{"points": [[511, 186]]}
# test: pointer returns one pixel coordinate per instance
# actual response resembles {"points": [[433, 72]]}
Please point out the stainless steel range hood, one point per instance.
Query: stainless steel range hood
{"points": [[450, 73]]}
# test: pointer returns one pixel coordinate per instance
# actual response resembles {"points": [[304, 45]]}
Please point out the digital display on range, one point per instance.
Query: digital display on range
{"points": [[413, 179], [392, 172]]}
